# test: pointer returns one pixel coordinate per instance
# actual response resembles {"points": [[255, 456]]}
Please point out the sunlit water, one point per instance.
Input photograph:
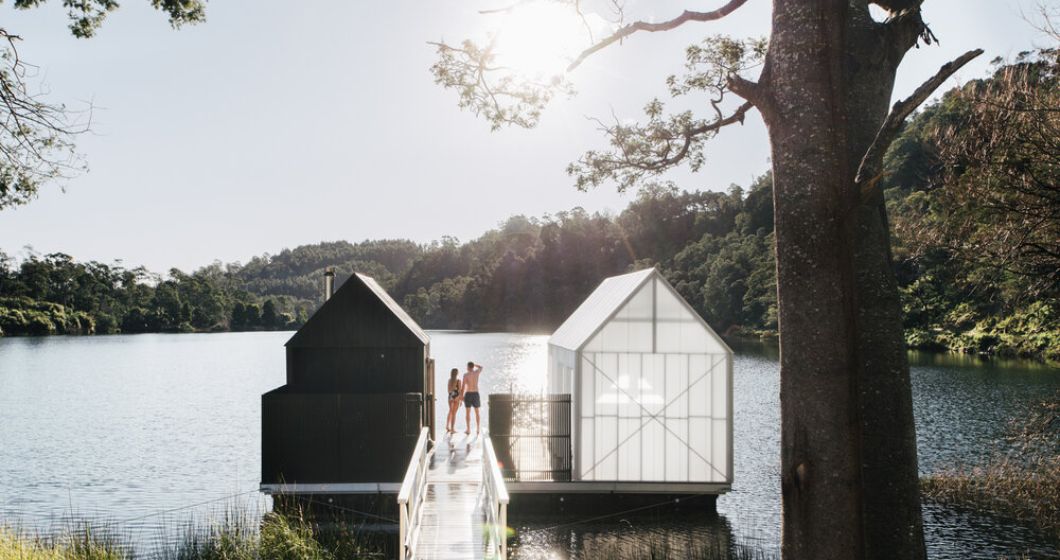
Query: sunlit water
{"points": [[146, 432]]}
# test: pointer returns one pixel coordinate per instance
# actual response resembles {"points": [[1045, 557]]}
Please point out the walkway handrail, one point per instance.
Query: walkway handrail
{"points": [[496, 503], [411, 496]]}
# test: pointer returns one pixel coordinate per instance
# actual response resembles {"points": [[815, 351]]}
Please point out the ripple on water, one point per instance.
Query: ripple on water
{"points": [[127, 430]]}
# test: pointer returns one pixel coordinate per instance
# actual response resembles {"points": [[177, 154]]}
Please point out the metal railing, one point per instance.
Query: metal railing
{"points": [[496, 503], [532, 436], [412, 495]]}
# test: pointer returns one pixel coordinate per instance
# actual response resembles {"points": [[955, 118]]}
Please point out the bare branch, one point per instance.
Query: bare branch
{"points": [[636, 26], [869, 171], [35, 136]]}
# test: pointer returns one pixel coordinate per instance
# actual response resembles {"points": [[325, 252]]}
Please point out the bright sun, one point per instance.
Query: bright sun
{"points": [[539, 39]]}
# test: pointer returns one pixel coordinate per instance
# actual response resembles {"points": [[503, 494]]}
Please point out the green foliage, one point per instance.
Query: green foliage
{"points": [[86, 16], [972, 197], [56, 295]]}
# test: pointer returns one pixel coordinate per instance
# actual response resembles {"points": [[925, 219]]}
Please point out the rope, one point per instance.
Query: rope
{"points": [[351, 510], [176, 509]]}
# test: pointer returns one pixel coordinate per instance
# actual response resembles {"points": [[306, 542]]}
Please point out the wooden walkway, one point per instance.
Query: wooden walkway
{"points": [[452, 523]]}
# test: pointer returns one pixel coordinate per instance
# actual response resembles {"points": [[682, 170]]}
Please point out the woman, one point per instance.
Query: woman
{"points": [[454, 400]]}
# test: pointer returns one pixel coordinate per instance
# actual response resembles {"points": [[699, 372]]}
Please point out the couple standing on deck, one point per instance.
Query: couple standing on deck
{"points": [[465, 390]]}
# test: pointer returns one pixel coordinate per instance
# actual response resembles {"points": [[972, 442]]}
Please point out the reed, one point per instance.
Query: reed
{"points": [[84, 543], [236, 534], [1020, 481]]}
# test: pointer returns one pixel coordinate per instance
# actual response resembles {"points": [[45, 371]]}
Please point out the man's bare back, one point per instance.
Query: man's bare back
{"points": [[472, 400], [471, 379]]}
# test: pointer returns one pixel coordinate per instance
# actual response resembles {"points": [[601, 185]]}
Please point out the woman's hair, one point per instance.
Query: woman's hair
{"points": [[453, 373]]}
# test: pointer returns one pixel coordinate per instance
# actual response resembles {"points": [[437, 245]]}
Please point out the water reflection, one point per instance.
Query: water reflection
{"points": [[632, 535]]}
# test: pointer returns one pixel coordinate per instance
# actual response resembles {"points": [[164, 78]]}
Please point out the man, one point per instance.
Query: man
{"points": [[471, 397]]}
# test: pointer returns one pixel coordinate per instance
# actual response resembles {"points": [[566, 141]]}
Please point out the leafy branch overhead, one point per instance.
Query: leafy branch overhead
{"points": [[36, 135], [500, 95], [639, 151], [86, 16]]}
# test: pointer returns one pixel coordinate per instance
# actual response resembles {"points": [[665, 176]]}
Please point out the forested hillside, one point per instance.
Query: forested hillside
{"points": [[974, 204]]}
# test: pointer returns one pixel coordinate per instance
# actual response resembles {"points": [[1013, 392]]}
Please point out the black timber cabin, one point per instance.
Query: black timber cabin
{"points": [[358, 392]]}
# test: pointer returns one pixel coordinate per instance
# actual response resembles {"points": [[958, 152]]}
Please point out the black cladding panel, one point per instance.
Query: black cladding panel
{"points": [[357, 370], [337, 438]]}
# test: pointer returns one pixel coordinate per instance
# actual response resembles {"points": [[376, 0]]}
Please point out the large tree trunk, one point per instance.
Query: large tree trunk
{"points": [[849, 475]]}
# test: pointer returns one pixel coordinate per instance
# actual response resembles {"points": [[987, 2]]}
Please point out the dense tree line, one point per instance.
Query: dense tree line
{"points": [[54, 294], [968, 282]]}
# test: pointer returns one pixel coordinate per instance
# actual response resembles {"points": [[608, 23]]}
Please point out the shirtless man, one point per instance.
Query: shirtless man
{"points": [[471, 396]]}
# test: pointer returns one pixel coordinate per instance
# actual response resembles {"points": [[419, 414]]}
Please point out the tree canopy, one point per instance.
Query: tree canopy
{"points": [[37, 134]]}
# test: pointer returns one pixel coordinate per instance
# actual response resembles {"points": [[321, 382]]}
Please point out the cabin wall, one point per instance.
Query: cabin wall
{"points": [[561, 364], [357, 370], [653, 417], [312, 438]]}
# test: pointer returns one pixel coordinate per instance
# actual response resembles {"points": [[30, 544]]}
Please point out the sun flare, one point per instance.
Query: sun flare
{"points": [[539, 39]]}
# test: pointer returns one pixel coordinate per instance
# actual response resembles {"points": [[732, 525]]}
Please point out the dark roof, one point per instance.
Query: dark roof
{"points": [[360, 314]]}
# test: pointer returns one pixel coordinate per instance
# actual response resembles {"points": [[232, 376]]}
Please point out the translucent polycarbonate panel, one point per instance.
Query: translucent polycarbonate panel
{"points": [[629, 384], [629, 450], [653, 385], [605, 467], [667, 306], [676, 450], [653, 459], [654, 417], [586, 454], [720, 443], [699, 393], [587, 386], [639, 305], [700, 443], [641, 336], [720, 388], [622, 335], [676, 386], [561, 364], [607, 394], [694, 337], [614, 337], [597, 308], [678, 329], [667, 336]]}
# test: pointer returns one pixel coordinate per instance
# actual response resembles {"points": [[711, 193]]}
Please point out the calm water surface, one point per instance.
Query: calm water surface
{"points": [[145, 432]]}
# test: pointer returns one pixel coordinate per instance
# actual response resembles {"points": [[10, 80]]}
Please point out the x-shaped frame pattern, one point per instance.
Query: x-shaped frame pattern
{"points": [[650, 416]]}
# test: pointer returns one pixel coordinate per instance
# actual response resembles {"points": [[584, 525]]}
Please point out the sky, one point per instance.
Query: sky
{"points": [[275, 124]]}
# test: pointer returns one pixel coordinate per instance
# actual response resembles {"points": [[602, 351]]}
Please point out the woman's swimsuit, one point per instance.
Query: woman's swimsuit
{"points": [[453, 394]]}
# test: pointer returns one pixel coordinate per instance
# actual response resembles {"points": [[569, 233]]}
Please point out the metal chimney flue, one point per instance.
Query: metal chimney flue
{"points": [[329, 282]]}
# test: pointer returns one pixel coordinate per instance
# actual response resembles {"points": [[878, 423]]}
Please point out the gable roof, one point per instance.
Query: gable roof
{"points": [[604, 302], [360, 314], [607, 300]]}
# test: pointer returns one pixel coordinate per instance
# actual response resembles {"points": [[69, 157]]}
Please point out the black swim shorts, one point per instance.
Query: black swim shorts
{"points": [[472, 399]]}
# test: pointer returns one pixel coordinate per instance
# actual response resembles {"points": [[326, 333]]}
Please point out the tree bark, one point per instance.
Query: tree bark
{"points": [[848, 467]]}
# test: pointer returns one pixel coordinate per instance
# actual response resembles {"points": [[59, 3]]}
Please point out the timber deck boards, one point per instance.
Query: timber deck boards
{"points": [[451, 526]]}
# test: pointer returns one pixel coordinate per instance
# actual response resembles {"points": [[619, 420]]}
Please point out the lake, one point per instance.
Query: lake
{"points": [[144, 432]]}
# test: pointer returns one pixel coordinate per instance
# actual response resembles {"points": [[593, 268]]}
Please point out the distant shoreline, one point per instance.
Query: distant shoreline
{"points": [[767, 344]]}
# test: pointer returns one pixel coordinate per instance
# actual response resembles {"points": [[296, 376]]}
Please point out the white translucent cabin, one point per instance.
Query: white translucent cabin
{"points": [[651, 387]]}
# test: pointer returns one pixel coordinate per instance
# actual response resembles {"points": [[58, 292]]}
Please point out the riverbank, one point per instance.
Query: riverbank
{"points": [[237, 536]]}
